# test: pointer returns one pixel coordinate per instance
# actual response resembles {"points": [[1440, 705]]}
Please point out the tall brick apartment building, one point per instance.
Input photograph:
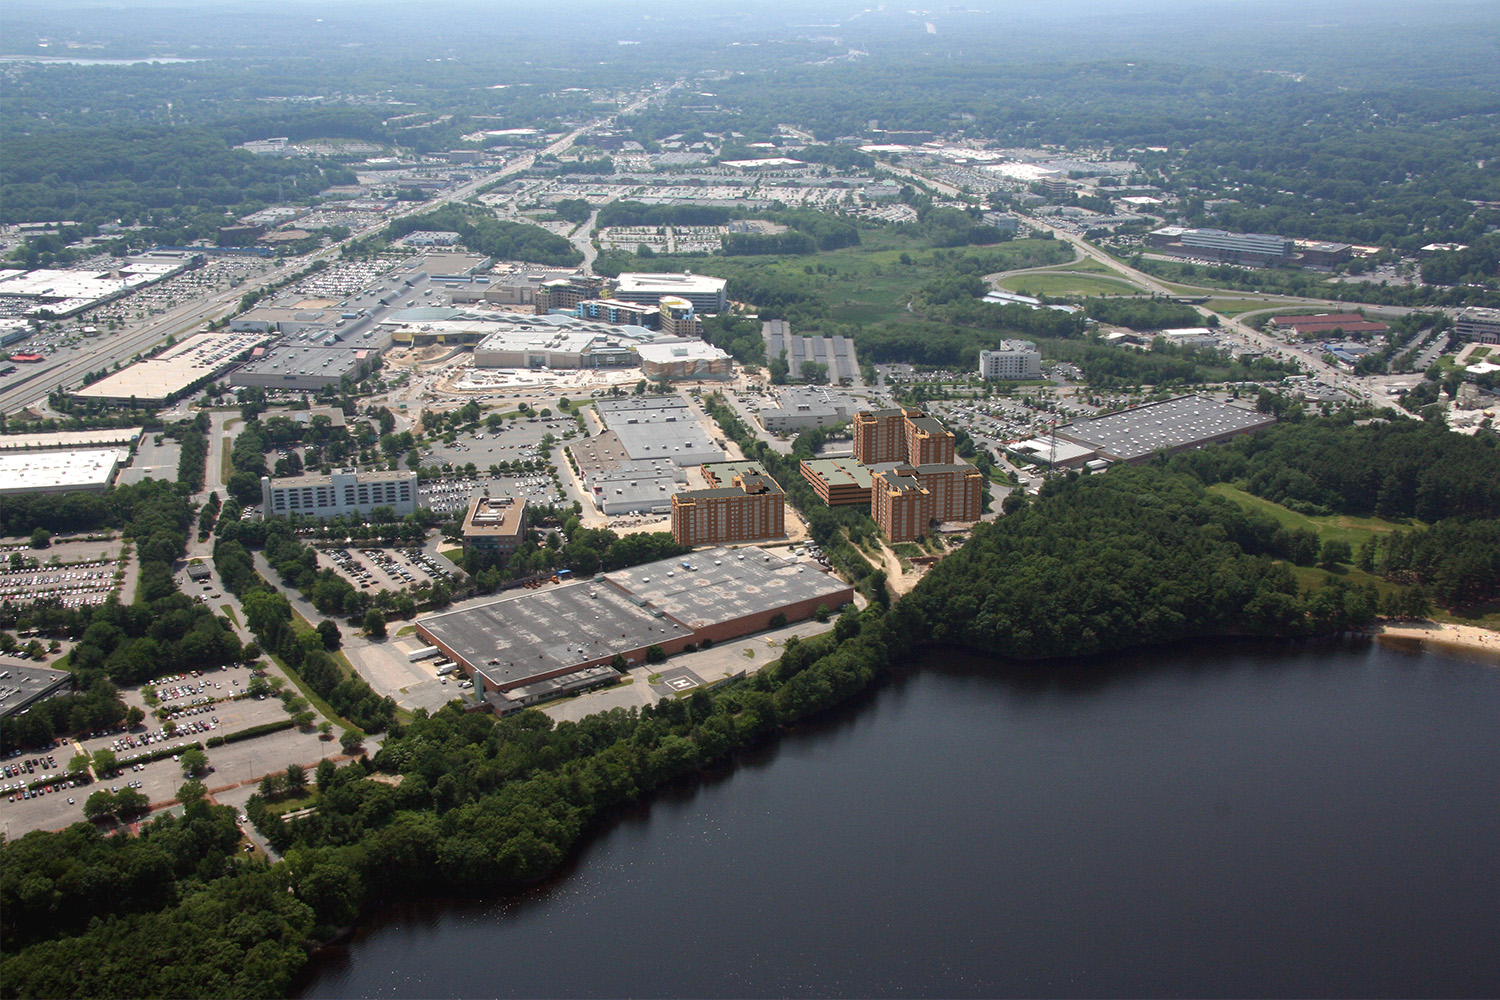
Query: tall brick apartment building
{"points": [[751, 508]]}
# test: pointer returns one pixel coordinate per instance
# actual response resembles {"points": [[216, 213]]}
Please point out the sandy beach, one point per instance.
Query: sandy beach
{"points": [[1451, 639]]}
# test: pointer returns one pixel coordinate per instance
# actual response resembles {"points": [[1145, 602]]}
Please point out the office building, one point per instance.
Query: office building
{"points": [[800, 409], [1480, 326], [495, 525], [346, 491], [707, 295], [1252, 249], [1012, 361], [751, 508]]}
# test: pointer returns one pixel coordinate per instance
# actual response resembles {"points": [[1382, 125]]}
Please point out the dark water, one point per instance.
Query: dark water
{"points": [[1231, 820]]}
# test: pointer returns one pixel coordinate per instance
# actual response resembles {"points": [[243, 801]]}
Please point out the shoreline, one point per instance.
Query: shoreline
{"points": [[1444, 639]]}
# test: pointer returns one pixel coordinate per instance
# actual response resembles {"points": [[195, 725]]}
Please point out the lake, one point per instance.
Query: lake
{"points": [[1228, 819]]}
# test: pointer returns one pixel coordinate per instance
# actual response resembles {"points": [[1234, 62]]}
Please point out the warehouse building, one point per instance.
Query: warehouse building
{"points": [[24, 686], [800, 409], [619, 484], [658, 427], [345, 491], [1322, 324], [539, 644], [742, 504], [175, 372], [119, 437], [74, 471], [305, 369], [1174, 425]]}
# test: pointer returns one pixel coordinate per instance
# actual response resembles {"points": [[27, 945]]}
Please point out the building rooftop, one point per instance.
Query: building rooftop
{"points": [[198, 358], [29, 684], [301, 362], [688, 350], [57, 471], [381, 476], [1166, 426], [541, 631], [501, 517], [723, 584], [68, 439], [669, 284], [840, 472]]}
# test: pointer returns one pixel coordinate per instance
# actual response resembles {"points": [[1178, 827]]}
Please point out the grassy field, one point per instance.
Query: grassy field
{"points": [[869, 283], [1055, 283], [1230, 308], [1335, 527]]}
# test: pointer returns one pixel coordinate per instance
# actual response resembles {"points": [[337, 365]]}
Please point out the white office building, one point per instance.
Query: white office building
{"points": [[707, 294], [346, 491], [1012, 361], [1481, 326]]}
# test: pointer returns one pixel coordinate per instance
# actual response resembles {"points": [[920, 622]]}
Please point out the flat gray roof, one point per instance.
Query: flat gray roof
{"points": [[725, 584], [540, 631], [28, 685], [1166, 426], [683, 442]]}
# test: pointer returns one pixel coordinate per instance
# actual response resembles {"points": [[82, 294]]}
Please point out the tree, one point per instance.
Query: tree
{"points": [[41, 538], [324, 774], [105, 762], [191, 791], [655, 654], [375, 623], [1335, 552], [325, 730], [351, 742], [134, 717], [99, 804], [194, 762], [296, 777], [332, 637], [273, 785], [128, 802]]}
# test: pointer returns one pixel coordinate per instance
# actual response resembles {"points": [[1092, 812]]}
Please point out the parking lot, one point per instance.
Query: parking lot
{"points": [[203, 705], [386, 568], [84, 573]]}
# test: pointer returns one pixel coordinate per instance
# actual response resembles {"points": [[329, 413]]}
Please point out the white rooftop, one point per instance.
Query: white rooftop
{"points": [[692, 350], [35, 471]]}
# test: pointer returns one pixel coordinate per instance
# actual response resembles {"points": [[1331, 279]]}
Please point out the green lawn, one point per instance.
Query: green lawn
{"points": [[1238, 307], [1056, 283], [229, 613], [1334, 527], [869, 283]]}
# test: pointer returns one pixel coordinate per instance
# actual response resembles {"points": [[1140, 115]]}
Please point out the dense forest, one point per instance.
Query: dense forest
{"points": [[481, 232]]}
